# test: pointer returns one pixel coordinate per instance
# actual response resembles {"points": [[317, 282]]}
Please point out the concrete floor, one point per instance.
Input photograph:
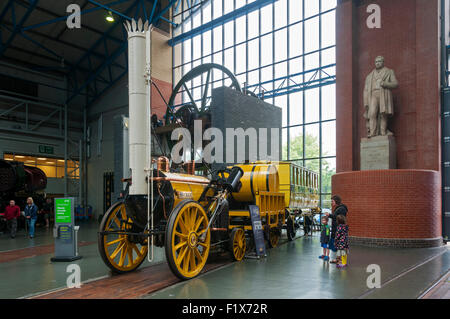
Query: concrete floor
{"points": [[37, 274], [292, 270]]}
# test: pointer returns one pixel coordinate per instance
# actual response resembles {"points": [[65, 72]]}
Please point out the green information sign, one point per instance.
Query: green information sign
{"points": [[46, 149], [63, 214]]}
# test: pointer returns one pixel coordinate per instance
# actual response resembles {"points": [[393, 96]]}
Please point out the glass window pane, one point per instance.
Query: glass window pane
{"points": [[241, 29], [253, 54], [328, 170], [295, 10], [229, 59], [206, 43], [311, 63], [311, 7], [296, 67], [328, 4], [266, 19], [266, 50], [329, 57], [280, 13], [312, 141], [295, 40], [217, 8], [329, 138], [229, 34], [253, 79], [253, 24], [329, 102], [296, 142], [281, 102], [240, 3], [328, 29], [228, 6], [312, 34], [312, 105], [187, 51], [280, 45], [217, 39], [312, 165], [326, 203], [241, 59], [285, 144], [296, 108]]}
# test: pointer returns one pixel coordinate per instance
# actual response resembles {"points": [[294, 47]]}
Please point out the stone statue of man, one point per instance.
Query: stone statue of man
{"points": [[378, 101]]}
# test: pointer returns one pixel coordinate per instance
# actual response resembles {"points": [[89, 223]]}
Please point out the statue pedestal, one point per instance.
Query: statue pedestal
{"points": [[378, 153]]}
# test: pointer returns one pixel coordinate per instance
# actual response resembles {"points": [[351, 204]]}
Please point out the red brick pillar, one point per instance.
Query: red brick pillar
{"points": [[409, 41]]}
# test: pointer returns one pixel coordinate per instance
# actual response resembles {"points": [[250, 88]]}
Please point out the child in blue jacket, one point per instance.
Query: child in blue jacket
{"points": [[325, 238]]}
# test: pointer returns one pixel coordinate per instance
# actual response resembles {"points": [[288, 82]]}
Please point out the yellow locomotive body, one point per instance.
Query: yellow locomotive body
{"points": [[261, 187], [300, 187], [191, 214]]}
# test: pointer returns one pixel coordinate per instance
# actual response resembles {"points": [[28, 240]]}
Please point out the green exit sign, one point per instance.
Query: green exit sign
{"points": [[63, 210], [46, 149]]}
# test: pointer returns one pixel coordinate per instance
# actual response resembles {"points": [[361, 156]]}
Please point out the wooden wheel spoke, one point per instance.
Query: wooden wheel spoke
{"points": [[123, 255], [187, 220], [194, 218], [199, 222], [123, 213], [190, 216], [115, 241], [201, 232], [138, 252], [181, 256], [183, 236], [117, 250], [192, 260], [198, 254], [181, 244], [183, 227], [130, 255], [203, 244], [186, 260], [116, 221]]}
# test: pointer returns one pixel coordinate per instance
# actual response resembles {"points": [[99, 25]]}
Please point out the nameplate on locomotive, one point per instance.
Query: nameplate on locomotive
{"points": [[184, 195]]}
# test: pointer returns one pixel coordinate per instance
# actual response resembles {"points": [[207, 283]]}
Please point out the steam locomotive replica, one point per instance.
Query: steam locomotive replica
{"points": [[186, 213], [192, 214], [20, 181]]}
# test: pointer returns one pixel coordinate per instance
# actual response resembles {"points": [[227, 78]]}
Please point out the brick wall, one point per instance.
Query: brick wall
{"points": [[409, 41], [400, 204], [393, 207]]}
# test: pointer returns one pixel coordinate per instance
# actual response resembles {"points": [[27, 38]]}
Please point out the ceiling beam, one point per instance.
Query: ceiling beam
{"points": [[71, 45], [59, 18], [18, 27]]}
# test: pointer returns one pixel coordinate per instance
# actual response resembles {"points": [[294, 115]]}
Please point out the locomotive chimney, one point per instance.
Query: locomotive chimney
{"points": [[139, 103]]}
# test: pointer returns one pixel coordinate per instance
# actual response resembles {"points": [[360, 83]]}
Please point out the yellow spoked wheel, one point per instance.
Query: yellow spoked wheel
{"points": [[119, 252], [274, 237], [238, 243], [187, 244]]}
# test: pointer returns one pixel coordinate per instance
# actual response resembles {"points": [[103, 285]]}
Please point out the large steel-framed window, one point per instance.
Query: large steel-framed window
{"points": [[286, 51]]}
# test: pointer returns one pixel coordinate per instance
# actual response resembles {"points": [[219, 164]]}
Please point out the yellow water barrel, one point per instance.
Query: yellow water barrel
{"points": [[257, 178]]}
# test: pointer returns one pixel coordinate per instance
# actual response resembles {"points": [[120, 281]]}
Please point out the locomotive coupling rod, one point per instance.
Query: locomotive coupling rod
{"points": [[151, 233], [218, 209]]}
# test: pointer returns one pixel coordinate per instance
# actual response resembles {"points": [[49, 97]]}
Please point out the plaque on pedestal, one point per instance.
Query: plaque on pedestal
{"points": [[378, 153]]}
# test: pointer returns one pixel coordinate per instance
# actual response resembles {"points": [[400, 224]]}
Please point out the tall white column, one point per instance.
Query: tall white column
{"points": [[139, 112]]}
